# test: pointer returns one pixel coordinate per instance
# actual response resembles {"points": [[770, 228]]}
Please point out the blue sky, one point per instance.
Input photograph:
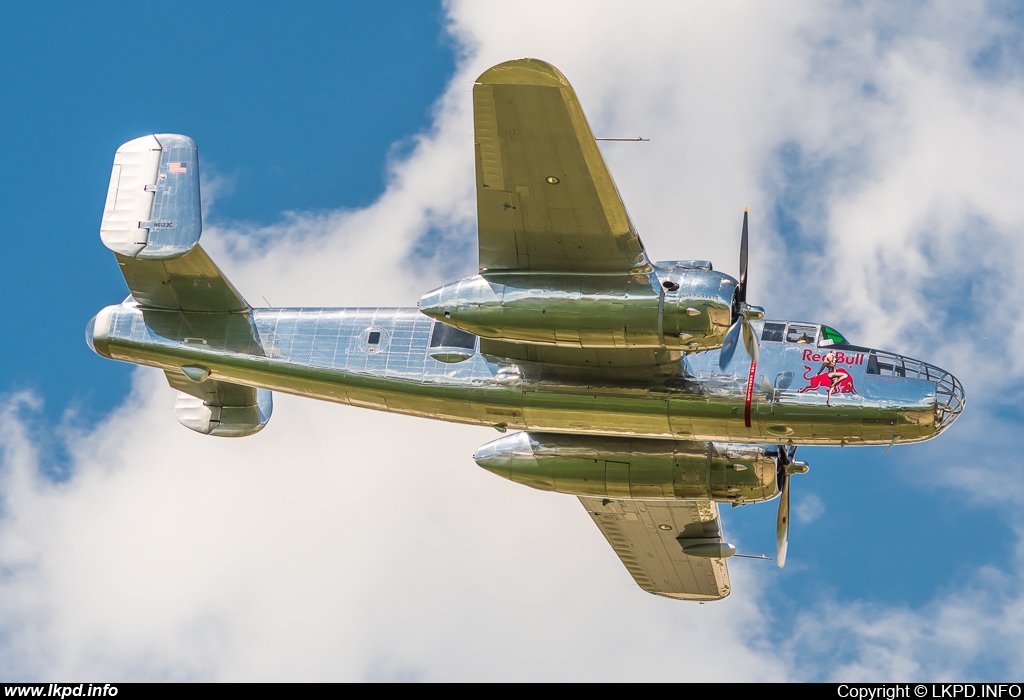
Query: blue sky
{"points": [[295, 108], [875, 147]]}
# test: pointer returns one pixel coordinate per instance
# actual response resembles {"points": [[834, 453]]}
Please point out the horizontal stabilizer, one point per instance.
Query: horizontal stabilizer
{"points": [[213, 407], [189, 283], [152, 210]]}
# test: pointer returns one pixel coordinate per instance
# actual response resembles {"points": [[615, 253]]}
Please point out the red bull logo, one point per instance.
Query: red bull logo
{"points": [[830, 376], [841, 357]]}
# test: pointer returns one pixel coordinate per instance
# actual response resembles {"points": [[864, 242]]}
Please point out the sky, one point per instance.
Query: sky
{"points": [[877, 146]]}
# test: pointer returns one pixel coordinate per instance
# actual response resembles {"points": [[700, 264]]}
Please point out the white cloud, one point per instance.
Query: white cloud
{"points": [[322, 548], [342, 544], [973, 633], [808, 509]]}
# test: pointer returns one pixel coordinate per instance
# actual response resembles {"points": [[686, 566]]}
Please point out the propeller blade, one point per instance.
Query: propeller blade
{"points": [[741, 290], [729, 345], [782, 524], [750, 341]]}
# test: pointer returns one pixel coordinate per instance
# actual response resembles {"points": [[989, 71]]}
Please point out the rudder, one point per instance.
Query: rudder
{"points": [[153, 209]]}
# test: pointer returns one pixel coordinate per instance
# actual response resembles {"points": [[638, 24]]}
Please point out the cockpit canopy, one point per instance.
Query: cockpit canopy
{"points": [[802, 333]]}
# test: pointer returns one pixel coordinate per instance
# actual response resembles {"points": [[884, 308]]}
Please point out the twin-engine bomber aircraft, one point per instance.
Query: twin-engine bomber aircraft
{"points": [[619, 373]]}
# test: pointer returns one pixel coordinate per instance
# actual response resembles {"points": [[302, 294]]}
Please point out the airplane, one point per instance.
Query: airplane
{"points": [[618, 376]]}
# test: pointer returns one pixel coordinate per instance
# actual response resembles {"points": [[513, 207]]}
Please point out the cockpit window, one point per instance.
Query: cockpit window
{"points": [[830, 336], [445, 336], [773, 332], [800, 333]]}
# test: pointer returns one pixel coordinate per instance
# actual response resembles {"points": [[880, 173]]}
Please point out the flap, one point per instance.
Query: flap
{"points": [[646, 536]]}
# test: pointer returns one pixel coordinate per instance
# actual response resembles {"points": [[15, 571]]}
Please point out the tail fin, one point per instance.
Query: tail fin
{"points": [[214, 407], [152, 222]]}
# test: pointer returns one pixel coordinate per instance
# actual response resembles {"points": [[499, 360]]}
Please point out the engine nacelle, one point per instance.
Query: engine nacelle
{"points": [[689, 309], [613, 467]]}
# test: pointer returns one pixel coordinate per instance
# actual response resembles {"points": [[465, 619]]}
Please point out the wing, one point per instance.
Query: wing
{"points": [[545, 199], [646, 534], [152, 222]]}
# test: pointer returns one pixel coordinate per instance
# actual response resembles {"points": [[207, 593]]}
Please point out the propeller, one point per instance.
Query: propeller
{"points": [[787, 466], [742, 312], [741, 290]]}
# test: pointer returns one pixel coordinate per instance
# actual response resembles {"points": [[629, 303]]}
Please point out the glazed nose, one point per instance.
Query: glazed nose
{"points": [[949, 400], [949, 392]]}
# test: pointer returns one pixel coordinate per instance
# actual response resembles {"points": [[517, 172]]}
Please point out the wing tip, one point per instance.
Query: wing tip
{"points": [[523, 71]]}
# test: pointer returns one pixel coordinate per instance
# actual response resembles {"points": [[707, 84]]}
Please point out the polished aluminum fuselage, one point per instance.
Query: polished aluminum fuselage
{"points": [[328, 354]]}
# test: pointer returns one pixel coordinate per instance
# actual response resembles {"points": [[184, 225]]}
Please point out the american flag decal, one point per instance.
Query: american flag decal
{"points": [[177, 168]]}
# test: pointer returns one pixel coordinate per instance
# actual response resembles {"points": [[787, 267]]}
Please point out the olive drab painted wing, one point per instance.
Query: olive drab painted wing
{"points": [[649, 537], [546, 201]]}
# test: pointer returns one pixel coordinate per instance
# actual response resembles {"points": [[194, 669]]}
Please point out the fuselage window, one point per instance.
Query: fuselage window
{"points": [[799, 333], [872, 367], [445, 336], [773, 332], [373, 338], [887, 365]]}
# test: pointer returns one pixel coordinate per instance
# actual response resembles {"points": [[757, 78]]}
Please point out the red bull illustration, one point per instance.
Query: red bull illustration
{"points": [[831, 377]]}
